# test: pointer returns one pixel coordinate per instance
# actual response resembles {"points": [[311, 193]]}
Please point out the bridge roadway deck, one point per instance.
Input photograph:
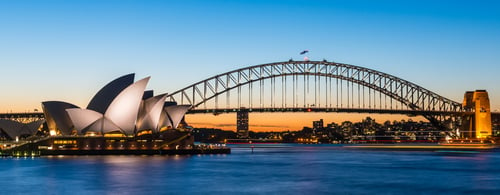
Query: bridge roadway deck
{"points": [[344, 110], [21, 115], [494, 115]]}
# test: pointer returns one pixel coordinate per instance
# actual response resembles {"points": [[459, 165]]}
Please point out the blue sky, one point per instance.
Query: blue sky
{"points": [[67, 50]]}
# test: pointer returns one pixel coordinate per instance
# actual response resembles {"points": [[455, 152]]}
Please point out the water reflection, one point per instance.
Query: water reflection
{"points": [[288, 169]]}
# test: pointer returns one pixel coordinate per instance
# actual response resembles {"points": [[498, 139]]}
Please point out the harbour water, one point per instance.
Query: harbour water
{"points": [[269, 169]]}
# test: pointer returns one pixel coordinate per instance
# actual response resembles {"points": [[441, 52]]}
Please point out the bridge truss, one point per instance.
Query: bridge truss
{"points": [[321, 86]]}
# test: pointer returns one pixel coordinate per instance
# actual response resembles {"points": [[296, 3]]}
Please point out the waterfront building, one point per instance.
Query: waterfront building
{"points": [[121, 108]]}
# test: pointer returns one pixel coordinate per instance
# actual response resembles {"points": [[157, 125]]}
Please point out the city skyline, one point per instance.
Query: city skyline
{"points": [[59, 50]]}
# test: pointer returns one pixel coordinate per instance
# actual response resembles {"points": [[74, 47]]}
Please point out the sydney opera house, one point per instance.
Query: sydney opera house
{"points": [[121, 108], [122, 116]]}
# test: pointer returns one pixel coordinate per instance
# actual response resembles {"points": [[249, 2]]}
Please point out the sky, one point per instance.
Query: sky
{"points": [[68, 50]]}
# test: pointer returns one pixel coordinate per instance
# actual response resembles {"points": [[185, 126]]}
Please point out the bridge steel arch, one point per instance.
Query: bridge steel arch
{"points": [[415, 98]]}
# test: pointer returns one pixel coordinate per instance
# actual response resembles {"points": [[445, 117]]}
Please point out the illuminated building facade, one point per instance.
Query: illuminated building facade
{"points": [[122, 107]]}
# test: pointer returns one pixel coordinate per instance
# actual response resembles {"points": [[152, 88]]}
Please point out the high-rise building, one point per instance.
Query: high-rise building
{"points": [[318, 124], [242, 124]]}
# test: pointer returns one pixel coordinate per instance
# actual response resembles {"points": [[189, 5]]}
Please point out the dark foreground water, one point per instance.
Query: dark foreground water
{"points": [[279, 169]]}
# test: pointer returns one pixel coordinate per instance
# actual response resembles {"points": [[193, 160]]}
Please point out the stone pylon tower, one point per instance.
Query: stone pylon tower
{"points": [[479, 124]]}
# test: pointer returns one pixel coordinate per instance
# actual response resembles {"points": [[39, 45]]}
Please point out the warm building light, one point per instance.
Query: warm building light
{"points": [[145, 132], [114, 135]]}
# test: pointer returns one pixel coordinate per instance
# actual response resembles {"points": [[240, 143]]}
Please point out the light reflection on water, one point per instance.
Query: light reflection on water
{"points": [[270, 169]]}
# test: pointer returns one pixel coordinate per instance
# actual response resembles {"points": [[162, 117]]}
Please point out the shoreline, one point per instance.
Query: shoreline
{"points": [[38, 153]]}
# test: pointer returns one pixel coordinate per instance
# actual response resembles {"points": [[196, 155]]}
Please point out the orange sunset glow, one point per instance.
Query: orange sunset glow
{"points": [[285, 121]]}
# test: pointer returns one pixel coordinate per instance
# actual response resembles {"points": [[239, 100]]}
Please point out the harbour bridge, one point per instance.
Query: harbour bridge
{"points": [[312, 86], [316, 86]]}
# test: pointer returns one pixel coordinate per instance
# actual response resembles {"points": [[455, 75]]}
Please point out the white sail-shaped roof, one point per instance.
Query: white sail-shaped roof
{"points": [[176, 113], [82, 118], [150, 112], [89, 120], [164, 120], [124, 109], [121, 105], [56, 116], [102, 99], [121, 114], [103, 125]]}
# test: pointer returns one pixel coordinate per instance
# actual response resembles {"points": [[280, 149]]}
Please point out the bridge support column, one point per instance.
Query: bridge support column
{"points": [[479, 124]]}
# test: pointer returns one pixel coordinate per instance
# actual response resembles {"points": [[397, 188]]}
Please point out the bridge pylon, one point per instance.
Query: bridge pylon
{"points": [[477, 125]]}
